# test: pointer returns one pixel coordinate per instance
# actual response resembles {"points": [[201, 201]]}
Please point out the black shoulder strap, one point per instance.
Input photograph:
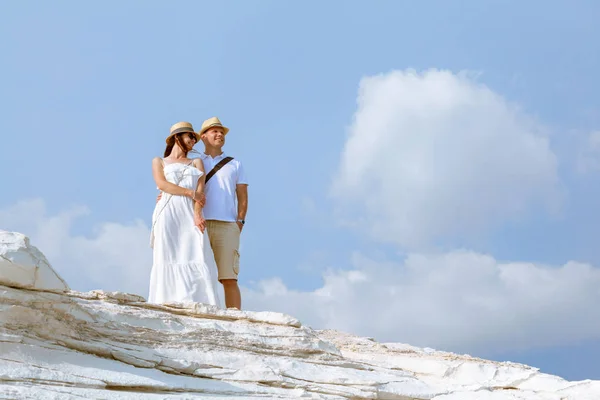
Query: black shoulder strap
{"points": [[217, 167]]}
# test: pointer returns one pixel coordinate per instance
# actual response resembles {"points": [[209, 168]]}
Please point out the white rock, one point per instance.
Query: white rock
{"points": [[23, 265], [71, 345]]}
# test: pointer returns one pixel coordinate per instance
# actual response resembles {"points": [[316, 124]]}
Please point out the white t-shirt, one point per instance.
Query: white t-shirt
{"points": [[221, 198]]}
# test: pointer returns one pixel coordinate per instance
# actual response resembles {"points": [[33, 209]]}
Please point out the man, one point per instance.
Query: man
{"points": [[225, 206]]}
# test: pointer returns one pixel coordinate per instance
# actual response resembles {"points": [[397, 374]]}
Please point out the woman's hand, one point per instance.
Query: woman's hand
{"points": [[200, 199], [199, 222]]}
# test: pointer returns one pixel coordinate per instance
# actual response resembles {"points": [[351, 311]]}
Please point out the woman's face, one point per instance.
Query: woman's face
{"points": [[189, 140]]}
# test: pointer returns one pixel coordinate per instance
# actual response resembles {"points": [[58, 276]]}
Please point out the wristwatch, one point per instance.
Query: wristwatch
{"points": [[242, 221]]}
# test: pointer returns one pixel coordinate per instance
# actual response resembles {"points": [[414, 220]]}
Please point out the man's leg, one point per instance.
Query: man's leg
{"points": [[233, 297], [225, 241]]}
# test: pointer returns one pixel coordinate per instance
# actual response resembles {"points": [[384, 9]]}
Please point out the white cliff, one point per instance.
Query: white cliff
{"points": [[60, 344]]}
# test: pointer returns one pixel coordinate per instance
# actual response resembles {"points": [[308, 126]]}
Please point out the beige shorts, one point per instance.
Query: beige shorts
{"points": [[225, 242]]}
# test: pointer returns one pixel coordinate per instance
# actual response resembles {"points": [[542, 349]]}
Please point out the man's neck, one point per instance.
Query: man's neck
{"points": [[213, 151]]}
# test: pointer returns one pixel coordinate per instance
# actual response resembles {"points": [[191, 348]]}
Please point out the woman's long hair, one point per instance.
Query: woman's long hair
{"points": [[176, 139]]}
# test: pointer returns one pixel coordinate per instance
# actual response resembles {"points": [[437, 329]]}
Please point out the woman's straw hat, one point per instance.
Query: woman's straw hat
{"points": [[182, 127], [212, 122]]}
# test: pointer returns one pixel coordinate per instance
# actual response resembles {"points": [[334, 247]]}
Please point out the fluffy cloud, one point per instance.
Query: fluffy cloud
{"points": [[116, 257], [460, 301], [436, 155]]}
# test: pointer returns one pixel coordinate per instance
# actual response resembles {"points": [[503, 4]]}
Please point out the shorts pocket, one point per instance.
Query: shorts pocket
{"points": [[236, 262], [238, 230]]}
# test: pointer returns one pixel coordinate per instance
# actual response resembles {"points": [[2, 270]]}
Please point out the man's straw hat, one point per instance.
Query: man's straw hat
{"points": [[212, 122], [182, 127]]}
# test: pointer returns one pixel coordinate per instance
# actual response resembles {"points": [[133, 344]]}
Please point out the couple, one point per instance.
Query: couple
{"points": [[198, 219]]}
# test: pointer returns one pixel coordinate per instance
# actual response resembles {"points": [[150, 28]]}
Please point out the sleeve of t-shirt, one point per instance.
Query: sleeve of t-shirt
{"points": [[241, 175]]}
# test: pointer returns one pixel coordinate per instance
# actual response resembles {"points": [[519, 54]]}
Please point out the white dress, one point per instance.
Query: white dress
{"points": [[184, 267]]}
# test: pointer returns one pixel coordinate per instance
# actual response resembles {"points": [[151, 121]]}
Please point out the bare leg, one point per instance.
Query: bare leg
{"points": [[233, 298]]}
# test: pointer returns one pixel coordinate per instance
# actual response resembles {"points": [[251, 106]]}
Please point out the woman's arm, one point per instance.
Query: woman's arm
{"points": [[200, 188], [198, 205], [164, 185]]}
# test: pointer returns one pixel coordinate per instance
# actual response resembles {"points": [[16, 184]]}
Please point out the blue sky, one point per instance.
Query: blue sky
{"points": [[315, 94]]}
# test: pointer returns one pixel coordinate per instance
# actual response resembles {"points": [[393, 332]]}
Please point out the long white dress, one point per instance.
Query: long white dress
{"points": [[184, 267]]}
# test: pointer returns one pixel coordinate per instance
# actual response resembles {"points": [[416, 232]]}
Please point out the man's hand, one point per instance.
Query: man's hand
{"points": [[199, 222], [240, 225]]}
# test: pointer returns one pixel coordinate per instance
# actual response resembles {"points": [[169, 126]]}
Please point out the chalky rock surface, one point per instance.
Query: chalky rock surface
{"points": [[61, 344], [23, 265]]}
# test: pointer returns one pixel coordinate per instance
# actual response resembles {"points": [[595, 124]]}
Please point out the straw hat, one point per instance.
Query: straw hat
{"points": [[210, 123], [182, 127]]}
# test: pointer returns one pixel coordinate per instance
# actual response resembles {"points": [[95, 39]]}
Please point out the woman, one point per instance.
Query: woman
{"points": [[184, 268]]}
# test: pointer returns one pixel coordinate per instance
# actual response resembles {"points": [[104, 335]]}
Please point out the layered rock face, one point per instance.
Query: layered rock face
{"points": [[60, 344]]}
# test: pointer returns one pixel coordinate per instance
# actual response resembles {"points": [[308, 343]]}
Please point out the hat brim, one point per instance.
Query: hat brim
{"points": [[172, 135], [225, 129]]}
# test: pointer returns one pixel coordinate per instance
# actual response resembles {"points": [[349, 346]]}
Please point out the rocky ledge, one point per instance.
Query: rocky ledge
{"points": [[56, 343]]}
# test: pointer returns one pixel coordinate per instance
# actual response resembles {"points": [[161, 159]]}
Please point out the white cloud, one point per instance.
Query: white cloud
{"points": [[588, 159], [116, 257], [435, 155], [460, 301]]}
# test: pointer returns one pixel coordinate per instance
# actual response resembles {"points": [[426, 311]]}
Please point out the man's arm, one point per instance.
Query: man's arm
{"points": [[241, 191]]}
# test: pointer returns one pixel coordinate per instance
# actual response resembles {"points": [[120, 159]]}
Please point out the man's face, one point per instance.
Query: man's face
{"points": [[214, 137]]}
